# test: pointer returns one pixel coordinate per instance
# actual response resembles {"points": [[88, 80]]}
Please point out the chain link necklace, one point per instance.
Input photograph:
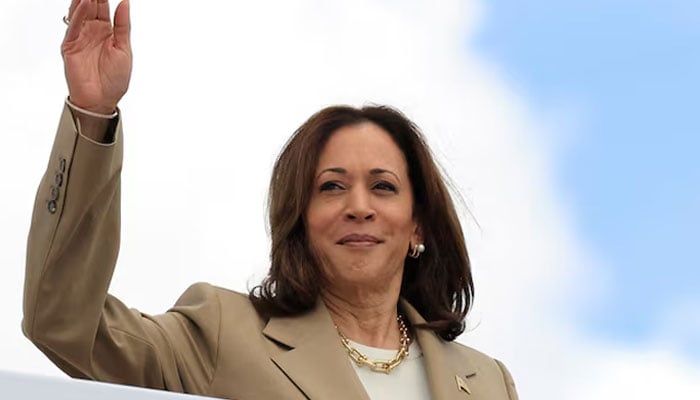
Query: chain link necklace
{"points": [[379, 365]]}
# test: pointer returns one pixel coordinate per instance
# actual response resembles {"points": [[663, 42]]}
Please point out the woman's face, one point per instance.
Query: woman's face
{"points": [[360, 218]]}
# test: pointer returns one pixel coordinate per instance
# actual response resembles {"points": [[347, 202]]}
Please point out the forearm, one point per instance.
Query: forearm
{"points": [[73, 243], [71, 255]]}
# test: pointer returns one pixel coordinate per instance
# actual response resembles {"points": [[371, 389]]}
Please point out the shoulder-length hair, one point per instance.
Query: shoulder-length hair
{"points": [[438, 284]]}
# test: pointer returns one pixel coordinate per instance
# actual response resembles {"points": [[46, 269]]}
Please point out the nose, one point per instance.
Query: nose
{"points": [[359, 205]]}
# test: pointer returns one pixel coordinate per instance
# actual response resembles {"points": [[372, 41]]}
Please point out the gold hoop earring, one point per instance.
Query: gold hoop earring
{"points": [[417, 250]]}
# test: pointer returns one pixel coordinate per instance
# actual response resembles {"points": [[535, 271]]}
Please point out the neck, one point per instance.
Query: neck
{"points": [[369, 319]]}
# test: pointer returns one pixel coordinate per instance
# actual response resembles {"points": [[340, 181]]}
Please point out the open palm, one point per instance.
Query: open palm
{"points": [[97, 56]]}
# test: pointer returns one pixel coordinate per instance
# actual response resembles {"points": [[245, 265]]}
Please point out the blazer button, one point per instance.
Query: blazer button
{"points": [[62, 164], [52, 207], [59, 179], [54, 193]]}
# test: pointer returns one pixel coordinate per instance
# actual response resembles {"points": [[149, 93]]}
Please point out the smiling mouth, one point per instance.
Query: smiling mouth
{"points": [[359, 240], [359, 244]]}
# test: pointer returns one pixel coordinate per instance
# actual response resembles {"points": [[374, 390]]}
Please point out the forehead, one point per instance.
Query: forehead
{"points": [[361, 147]]}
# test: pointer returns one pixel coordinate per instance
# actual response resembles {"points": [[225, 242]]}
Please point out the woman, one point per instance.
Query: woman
{"points": [[369, 281]]}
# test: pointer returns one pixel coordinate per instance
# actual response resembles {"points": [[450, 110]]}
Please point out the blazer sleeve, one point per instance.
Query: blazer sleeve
{"points": [[71, 254]]}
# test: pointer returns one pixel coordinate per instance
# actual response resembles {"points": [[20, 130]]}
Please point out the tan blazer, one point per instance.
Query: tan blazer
{"points": [[212, 342]]}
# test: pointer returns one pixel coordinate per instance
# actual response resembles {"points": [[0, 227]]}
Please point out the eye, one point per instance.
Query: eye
{"points": [[385, 186], [330, 186]]}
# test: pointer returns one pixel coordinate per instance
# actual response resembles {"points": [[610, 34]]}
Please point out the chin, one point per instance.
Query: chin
{"points": [[363, 270]]}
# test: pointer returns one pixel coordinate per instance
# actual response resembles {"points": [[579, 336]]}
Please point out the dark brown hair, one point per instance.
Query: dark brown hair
{"points": [[438, 284]]}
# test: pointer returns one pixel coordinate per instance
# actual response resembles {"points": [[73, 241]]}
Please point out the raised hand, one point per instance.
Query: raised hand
{"points": [[96, 55]]}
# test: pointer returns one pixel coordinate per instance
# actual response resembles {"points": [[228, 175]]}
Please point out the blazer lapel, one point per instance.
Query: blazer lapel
{"points": [[444, 373], [315, 361]]}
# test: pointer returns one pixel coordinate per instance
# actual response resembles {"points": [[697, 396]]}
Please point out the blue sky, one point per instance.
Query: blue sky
{"points": [[632, 170]]}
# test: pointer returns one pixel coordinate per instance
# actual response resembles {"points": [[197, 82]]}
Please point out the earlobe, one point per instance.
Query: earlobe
{"points": [[417, 235], [415, 245]]}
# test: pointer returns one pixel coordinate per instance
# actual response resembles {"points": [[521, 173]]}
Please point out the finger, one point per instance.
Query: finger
{"points": [[122, 25], [76, 22], [73, 5], [92, 10], [103, 10]]}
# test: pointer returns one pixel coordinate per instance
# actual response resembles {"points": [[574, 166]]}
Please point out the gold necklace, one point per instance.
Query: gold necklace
{"points": [[380, 365]]}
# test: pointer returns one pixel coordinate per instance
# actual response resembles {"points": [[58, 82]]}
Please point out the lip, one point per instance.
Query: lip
{"points": [[357, 239]]}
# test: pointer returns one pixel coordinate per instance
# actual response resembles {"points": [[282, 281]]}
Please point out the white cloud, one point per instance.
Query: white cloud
{"points": [[648, 374], [218, 87]]}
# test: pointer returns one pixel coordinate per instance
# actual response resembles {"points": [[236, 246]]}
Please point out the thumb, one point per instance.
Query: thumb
{"points": [[122, 25]]}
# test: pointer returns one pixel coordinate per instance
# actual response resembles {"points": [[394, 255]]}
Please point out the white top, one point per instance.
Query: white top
{"points": [[408, 381]]}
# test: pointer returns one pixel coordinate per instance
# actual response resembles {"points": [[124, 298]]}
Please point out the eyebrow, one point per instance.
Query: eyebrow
{"points": [[373, 171]]}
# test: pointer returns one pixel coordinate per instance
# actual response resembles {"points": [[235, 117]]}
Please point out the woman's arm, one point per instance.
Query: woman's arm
{"points": [[71, 255], [72, 247], [74, 236]]}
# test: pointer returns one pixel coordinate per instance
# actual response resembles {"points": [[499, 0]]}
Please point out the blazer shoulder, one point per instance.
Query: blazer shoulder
{"points": [[479, 361], [212, 302], [205, 295], [200, 291], [474, 356]]}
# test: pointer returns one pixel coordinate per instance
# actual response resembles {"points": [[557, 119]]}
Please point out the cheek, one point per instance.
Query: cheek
{"points": [[319, 221], [405, 232], [401, 218]]}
